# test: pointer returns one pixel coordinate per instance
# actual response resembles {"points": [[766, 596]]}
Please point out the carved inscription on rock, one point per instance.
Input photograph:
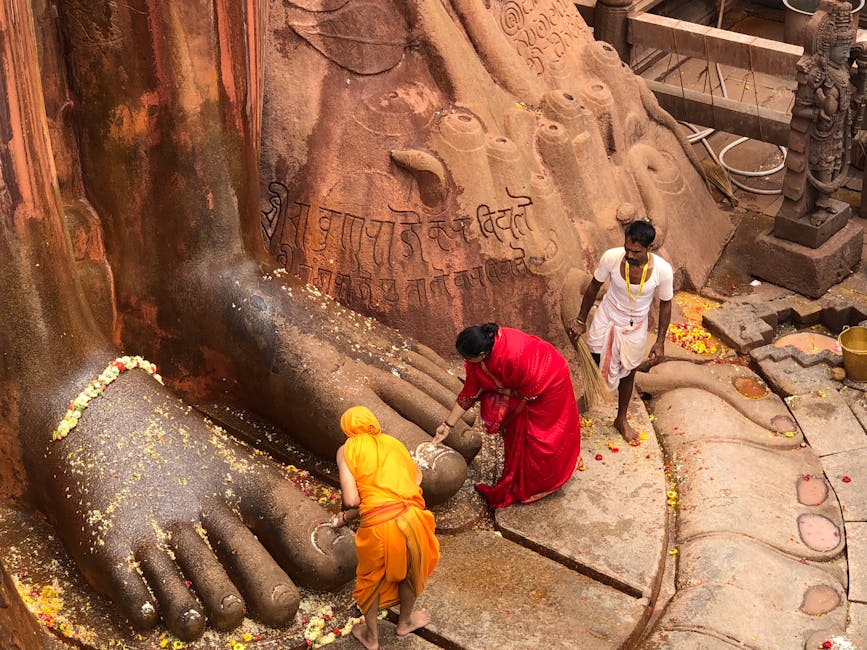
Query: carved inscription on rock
{"points": [[404, 258], [541, 30]]}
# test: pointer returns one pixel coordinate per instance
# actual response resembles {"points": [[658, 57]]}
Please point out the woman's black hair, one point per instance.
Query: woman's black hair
{"points": [[476, 340], [641, 232]]}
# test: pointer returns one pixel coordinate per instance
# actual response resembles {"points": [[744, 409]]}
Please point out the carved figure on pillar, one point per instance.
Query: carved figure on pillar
{"points": [[826, 115], [813, 245]]}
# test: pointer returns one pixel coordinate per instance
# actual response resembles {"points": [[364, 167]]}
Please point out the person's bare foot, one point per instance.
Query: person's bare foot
{"points": [[418, 618], [626, 430], [364, 636]]}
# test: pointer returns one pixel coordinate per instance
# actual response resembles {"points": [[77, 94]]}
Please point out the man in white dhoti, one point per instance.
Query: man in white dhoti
{"points": [[617, 336]]}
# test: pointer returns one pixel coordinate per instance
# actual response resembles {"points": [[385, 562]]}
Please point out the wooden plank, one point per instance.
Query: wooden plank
{"points": [[722, 114], [709, 43]]}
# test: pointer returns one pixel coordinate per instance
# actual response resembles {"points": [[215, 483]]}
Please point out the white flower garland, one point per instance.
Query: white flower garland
{"points": [[96, 388]]}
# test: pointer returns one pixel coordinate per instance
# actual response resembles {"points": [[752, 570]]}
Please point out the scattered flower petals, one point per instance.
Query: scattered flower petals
{"points": [[847, 479], [691, 337]]}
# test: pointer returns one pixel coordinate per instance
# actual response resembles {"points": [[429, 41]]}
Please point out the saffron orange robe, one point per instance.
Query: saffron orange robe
{"points": [[395, 541], [526, 395]]}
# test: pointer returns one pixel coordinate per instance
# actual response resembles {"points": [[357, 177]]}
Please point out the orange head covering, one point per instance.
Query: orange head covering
{"points": [[358, 420]]}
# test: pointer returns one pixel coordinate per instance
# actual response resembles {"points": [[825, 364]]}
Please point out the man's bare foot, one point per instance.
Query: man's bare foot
{"points": [[418, 618], [365, 637], [629, 434]]}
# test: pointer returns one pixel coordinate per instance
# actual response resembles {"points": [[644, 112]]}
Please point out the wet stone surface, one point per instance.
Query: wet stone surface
{"points": [[489, 592]]}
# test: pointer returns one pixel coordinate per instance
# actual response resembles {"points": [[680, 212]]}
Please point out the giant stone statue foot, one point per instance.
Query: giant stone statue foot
{"points": [[173, 520]]}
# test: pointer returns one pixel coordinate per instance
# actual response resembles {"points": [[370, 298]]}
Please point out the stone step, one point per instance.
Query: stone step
{"points": [[856, 538]]}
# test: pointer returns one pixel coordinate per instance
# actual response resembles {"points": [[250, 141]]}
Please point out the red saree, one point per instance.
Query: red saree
{"points": [[538, 421]]}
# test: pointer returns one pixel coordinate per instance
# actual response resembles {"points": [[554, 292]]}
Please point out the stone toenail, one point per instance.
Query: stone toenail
{"points": [[190, 616], [230, 602], [281, 593]]}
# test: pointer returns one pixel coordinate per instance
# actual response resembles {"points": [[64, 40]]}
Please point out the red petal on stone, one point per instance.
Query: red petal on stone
{"points": [[847, 479], [598, 456]]}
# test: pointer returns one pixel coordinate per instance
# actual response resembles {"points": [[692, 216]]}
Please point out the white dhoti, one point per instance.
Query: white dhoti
{"points": [[619, 339]]}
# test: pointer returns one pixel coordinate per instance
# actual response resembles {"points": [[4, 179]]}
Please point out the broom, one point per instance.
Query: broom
{"points": [[595, 390]]}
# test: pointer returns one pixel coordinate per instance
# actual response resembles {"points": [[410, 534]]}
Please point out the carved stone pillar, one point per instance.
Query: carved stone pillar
{"points": [[610, 25]]}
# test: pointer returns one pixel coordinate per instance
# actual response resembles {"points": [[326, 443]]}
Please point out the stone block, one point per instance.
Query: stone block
{"points": [[730, 48], [810, 271], [827, 422], [801, 231], [773, 57], [788, 377], [738, 327], [806, 312], [856, 539], [489, 592]]}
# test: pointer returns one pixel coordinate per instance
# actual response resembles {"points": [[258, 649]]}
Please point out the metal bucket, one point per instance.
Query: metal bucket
{"points": [[853, 340], [798, 12]]}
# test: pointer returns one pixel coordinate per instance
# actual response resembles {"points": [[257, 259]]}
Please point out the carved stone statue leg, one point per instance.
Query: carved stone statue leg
{"points": [[140, 472]]}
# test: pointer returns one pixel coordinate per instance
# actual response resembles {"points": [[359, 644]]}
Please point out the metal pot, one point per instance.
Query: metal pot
{"points": [[853, 340]]}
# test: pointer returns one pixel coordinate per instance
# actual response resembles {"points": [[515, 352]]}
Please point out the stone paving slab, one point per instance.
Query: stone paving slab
{"points": [[856, 539], [488, 592], [857, 628], [851, 494], [719, 379], [595, 521], [722, 576], [827, 422], [788, 377]]}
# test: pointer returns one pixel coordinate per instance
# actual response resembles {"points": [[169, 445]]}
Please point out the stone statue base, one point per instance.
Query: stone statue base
{"points": [[801, 231], [810, 271]]}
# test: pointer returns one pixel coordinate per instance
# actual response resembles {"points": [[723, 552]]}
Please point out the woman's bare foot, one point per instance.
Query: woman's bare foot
{"points": [[418, 618], [365, 637], [626, 430]]}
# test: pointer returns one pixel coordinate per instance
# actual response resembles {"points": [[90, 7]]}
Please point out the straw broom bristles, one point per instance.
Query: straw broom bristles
{"points": [[595, 390]]}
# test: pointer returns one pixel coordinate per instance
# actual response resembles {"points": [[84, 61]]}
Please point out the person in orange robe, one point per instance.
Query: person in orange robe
{"points": [[395, 543]]}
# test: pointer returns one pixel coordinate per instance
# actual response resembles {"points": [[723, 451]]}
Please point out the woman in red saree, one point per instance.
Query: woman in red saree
{"points": [[525, 392]]}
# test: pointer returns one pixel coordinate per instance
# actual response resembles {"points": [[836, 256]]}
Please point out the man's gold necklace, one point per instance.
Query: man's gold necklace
{"points": [[640, 285]]}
